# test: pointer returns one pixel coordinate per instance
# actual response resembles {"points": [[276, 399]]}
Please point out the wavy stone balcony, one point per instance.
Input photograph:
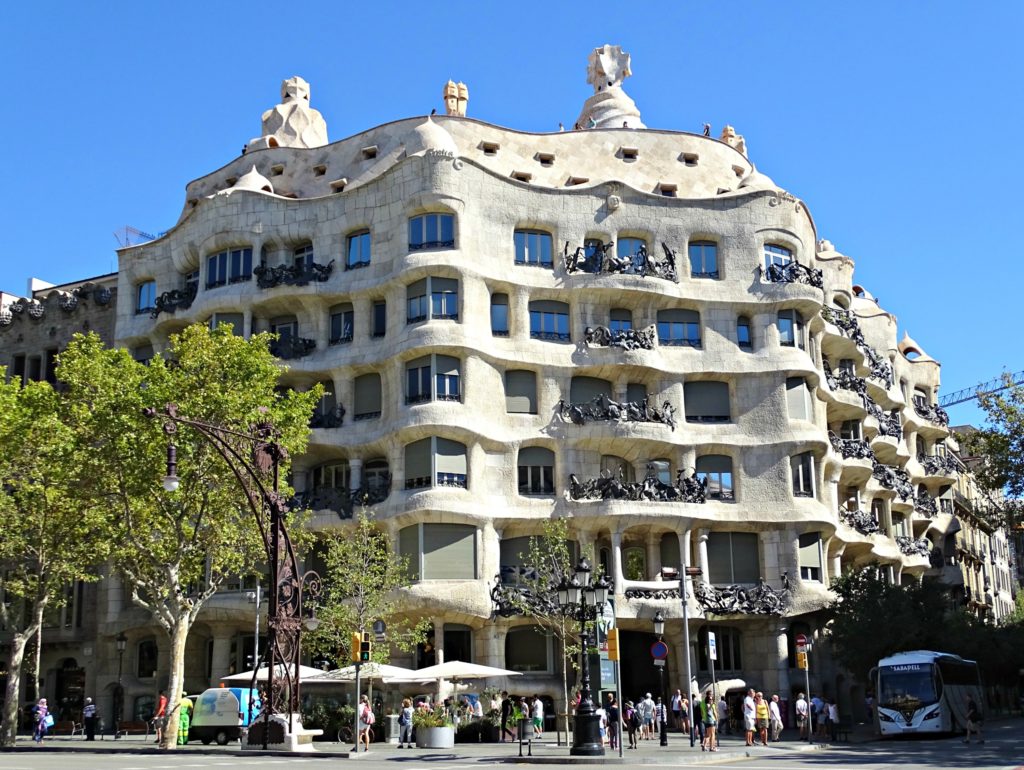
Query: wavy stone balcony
{"points": [[925, 505], [793, 272], [290, 348], [602, 408], [896, 479], [943, 466], [292, 275], [856, 448], [596, 260], [846, 322], [174, 300], [935, 414], [651, 489], [342, 501], [862, 521], [910, 547], [627, 339]]}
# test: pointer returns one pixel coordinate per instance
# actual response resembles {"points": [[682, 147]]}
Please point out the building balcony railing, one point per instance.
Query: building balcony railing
{"points": [[292, 275], [602, 408], [680, 342], [793, 272], [627, 339], [290, 347], [890, 424], [896, 479], [846, 380], [862, 521], [610, 487], [844, 320], [343, 501], [911, 547], [600, 262], [443, 480], [939, 465], [176, 299], [856, 448], [330, 419], [932, 413], [925, 505]]}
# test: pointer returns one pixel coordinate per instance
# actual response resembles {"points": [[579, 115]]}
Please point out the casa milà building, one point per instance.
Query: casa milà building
{"points": [[630, 328]]}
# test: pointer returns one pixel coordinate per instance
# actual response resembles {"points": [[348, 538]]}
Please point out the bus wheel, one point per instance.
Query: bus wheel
{"points": [[222, 738]]}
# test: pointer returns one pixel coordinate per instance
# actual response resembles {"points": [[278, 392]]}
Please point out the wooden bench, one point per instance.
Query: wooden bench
{"points": [[132, 727]]}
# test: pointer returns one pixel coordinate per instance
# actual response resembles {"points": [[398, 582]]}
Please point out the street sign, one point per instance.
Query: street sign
{"points": [[659, 662], [801, 643], [659, 650], [712, 646]]}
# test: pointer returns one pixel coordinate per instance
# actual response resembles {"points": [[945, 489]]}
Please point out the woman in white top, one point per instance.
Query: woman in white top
{"points": [[366, 720]]}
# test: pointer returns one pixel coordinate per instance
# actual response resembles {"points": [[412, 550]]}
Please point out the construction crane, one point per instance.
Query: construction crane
{"points": [[981, 389], [131, 236]]}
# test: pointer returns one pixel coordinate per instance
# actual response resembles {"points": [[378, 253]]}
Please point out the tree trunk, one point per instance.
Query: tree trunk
{"points": [[176, 683], [12, 692], [37, 651]]}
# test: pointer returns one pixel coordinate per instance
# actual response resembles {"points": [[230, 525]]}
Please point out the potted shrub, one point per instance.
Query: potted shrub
{"points": [[433, 730]]}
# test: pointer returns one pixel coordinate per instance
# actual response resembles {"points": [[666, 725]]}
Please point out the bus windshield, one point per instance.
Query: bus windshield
{"points": [[906, 686]]}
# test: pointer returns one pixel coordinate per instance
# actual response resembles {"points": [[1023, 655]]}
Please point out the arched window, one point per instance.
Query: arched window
{"points": [[549, 321], [358, 254], [703, 259], [520, 391], [528, 649], [499, 315], [810, 557], [342, 323], [146, 659], [431, 231], [798, 399], [377, 475], [302, 257], [776, 255], [791, 329], [743, 338], [728, 644]]}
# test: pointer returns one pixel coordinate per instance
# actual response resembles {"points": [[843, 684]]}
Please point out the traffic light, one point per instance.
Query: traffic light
{"points": [[801, 660], [353, 647], [365, 648], [613, 644]]}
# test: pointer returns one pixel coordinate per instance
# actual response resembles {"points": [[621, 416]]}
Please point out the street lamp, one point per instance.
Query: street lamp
{"points": [[582, 600], [255, 457], [121, 642], [659, 631]]}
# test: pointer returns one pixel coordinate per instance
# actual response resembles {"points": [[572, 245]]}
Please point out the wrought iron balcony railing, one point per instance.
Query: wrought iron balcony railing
{"points": [[290, 347], [939, 465], [627, 339], [932, 413], [176, 299], [862, 521], [856, 448], [611, 487], [794, 272], [343, 501], [330, 419], [925, 505], [911, 547], [896, 479], [292, 275], [602, 408], [599, 261]]}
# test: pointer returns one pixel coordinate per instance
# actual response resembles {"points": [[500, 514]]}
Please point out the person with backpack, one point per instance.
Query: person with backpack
{"points": [[632, 721], [405, 724], [366, 720], [43, 721]]}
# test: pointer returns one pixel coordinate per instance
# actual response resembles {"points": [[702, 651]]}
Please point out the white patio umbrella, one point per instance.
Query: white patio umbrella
{"points": [[369, 671], [456, 670], [306, 674]]}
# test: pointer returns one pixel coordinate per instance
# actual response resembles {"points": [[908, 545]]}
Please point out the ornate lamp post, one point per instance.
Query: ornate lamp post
{"points": [[580, 599], [121, 642], [254, 458], [659, 630]]}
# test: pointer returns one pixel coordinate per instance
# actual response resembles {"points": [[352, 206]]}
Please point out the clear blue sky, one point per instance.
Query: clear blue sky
{"points": [[899, 123]]}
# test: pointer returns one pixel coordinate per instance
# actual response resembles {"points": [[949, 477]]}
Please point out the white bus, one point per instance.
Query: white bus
{"points": [[925, 692]]}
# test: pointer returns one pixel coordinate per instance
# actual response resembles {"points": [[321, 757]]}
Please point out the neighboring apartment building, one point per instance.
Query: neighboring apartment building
{"points": [[633, 329]]}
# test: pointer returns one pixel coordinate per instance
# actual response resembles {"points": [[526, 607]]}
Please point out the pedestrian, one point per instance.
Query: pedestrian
{"points": [[184, 719], [709, 711], [869, 705], [614, 723], [775, 718], [405, 724], [632, 722], [366, 720], [833, 719], [762, 715], [677, 709], [695, 716], [801, 715], [647, 716], [974, 720], [749, 716], [538, 717], [43, 720], [660, 717], [506, 713], [602, 723], [89, 719], [723, 716], [822, 718], [160, 717]]}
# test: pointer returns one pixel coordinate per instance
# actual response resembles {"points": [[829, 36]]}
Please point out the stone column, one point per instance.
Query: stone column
{"points": [[702, 555], [617, 577], [438, 641], [519, 312], [653, 555], [220, 665], [247, 329], [782, 652], [684, 562], [355, 469]]}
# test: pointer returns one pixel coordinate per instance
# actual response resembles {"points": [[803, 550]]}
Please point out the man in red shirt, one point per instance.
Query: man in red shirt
{"points": [[160, 717]]}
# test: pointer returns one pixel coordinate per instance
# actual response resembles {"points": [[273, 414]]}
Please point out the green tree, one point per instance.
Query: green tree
{"points": [[362, 584], [175, 549], [50, 539]]}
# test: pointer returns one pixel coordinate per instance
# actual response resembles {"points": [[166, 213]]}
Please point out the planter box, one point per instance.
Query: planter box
{"points": [[435, 737]]}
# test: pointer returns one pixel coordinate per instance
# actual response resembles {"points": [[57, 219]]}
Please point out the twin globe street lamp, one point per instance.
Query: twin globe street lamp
{"points": [[582, 600], [659, 631]]}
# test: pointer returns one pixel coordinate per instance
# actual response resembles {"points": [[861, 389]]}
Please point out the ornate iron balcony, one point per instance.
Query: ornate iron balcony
{"points": [[611, 487], [890, 424], [176, 299], [862, 521], [603, 408], [739, 599], [932, 413], [851, 447], [343, 501], [600, 261], [331, 419], [292, 347], [925, 505], [451, 480], [844, 379], [292, 275], [627, 339], [895, 479], [794, 272], [846, 322], [939, 465], [910, 547]]}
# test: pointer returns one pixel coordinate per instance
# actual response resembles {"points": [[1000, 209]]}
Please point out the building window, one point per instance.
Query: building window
{"points": [[432, 298], [366, 397], [679, 327], [145, 297], [147, 659], [706, 401], [533, 247], [743, 333], [802, 468], [499, 315], [536, 471], [633, 250], [728, 642], [733, 557], [776, 255], [528, 649], [432, 231], [377, 475], [520, 391], [661, 469], [798, 399], [330, 476], [234, 320], [549, 320], [303, 257], [704, 260], [358, 254], [439, 372], [380, 318], [636, 392], [439, 551], [851, 430], [435, 461], [231, 266], [617, 468], [810, 556], [715, 471], [791, 329], [342, 320], [620, 320], [585, 389], [285, 327]]}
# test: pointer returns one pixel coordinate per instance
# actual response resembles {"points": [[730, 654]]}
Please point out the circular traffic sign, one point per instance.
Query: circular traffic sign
{"points": [[801, 640], [659, 650]]}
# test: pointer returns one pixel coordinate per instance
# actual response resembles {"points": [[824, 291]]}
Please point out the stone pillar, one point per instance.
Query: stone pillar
{"points": [[355, 468], [702, 555], [684, 562], [247, 329], [653, 555], [617, 577], [496, 645], [438, 641], [782, 653], [490, 552], [220, 665], [518, 312]]}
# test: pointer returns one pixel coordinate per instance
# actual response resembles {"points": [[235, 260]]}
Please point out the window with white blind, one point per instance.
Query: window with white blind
{"points": [[802, 470], [520, 391], [733, 557], [432, 298], [798, 399], [584, 389], [366, 397], [810, 556], [433, 377], [435, 461], [706, 401], [439, 551], [679, 327], [536, 468]]}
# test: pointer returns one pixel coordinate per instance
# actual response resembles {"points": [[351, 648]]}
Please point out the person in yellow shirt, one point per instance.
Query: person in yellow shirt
{"points": [[184, 719], [761, 716]]}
